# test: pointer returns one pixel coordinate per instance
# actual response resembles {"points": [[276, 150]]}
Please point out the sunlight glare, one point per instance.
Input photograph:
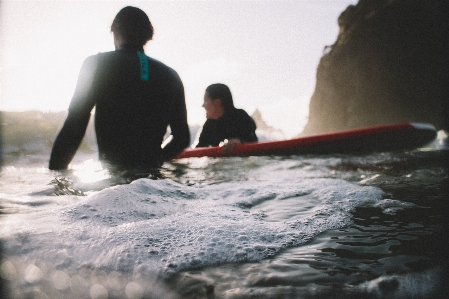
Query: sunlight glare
{"points": [[90, 171]]}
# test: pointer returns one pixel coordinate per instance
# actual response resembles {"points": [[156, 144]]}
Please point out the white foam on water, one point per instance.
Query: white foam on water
{"points": [[162, 226], [424, 284]]}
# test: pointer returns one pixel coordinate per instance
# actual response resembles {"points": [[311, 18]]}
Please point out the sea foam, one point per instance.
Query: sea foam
{"points": [[166, 227]]}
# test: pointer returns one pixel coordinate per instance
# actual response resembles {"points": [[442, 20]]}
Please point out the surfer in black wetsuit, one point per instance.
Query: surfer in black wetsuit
{"points": [[135, 98], [225, 124]]}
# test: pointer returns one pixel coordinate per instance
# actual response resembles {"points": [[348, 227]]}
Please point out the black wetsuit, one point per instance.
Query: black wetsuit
{"points": [[135, 98], [234, 124]]}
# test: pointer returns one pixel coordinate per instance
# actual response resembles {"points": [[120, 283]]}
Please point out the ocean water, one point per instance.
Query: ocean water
{"points": [[310, 226]]}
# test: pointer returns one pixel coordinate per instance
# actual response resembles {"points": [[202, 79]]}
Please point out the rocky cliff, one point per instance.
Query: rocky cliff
{"points": [[388, 65]]}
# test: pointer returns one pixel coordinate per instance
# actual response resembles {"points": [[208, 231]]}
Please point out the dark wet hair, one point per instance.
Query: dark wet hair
{"points": [[133, 25], [222, 92]]}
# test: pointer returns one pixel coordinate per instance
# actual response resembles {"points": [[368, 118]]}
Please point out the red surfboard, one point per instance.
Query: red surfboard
{"points": [[364, 140]]}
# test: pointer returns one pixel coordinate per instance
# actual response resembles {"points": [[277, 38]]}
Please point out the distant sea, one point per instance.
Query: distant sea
{"points": [[306, 226]]}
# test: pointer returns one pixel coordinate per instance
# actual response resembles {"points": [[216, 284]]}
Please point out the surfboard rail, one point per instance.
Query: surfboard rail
{"points": [[380, 138]]}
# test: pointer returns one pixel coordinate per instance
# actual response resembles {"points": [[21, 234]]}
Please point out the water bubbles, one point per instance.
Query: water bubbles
{"points": [[97, 291], [33, 274], [248, 248], [79, 282], [133, 290], [240, 255], [195, 261], [391, 206], [229, 245], [189, 228], [8, 271], [61, 280], [243, 238], [260, 248], [115, 280]]}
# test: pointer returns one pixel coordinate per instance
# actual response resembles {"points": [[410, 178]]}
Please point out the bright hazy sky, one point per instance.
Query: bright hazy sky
{"points": [[265, 51]]}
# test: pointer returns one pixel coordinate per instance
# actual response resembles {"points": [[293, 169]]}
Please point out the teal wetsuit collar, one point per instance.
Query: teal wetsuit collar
{"points": [[143, 60], [144, 69]]}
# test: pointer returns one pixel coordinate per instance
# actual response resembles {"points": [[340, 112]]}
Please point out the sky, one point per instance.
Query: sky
{"points": [[267, 52]]}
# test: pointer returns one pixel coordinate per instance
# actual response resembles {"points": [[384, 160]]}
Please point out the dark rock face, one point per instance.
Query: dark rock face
{"points": [[388, 65]]}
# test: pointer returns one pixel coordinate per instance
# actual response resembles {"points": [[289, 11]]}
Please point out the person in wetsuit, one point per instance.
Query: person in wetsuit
{"points": [[225, 123], [135, 98]]}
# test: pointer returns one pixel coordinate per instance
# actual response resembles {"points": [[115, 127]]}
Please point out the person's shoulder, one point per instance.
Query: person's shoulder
{"points": [[90, 63], [98, 58], [162, 67], [242, 116], [101, 55], [241, 112]]}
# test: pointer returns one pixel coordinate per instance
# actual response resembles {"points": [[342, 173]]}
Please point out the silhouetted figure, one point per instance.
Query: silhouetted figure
{"points": [[224, 123], [135, 98]]}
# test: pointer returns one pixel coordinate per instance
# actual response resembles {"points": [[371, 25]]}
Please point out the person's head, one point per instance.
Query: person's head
{"points": [[132, 26], [218, 96]]}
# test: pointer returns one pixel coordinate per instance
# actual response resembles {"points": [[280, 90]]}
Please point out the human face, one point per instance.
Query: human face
{"points": [[213, 107]]}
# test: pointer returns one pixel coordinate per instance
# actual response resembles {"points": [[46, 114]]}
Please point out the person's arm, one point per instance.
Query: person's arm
{"points": [[74, 128], [247, 128], [205, 138], [178, 122]]}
